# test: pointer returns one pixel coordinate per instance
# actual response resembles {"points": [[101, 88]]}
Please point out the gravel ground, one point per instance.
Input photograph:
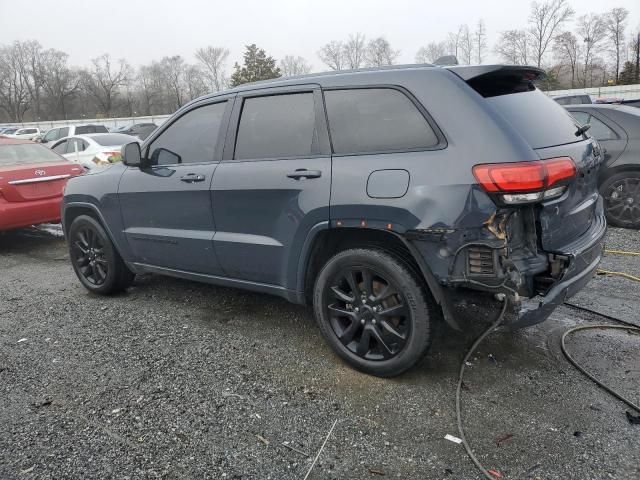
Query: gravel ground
{"points": [[176, 379]]}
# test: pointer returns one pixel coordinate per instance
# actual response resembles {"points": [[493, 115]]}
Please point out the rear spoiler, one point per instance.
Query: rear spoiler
{"points": [[495, 80]]}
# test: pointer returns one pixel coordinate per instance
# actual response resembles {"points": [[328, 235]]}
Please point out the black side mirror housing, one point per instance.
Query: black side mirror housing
{"points": [[131, 155]]}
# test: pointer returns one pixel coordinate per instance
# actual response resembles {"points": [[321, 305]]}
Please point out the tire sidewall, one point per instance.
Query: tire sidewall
{"points": [[109, 254], [389, 267]]}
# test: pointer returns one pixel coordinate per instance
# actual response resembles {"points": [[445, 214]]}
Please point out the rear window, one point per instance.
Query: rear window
{"points": [[84, 129], [376, 120], [113, 140], [25, 154], [539, 119]]}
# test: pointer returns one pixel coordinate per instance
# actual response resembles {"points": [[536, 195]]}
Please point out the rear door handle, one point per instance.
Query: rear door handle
{"points": [[192, 178], [304, 173]]}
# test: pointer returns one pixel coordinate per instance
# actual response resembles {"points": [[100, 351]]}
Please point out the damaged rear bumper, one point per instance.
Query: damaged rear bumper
{"points": [[584, 256]]}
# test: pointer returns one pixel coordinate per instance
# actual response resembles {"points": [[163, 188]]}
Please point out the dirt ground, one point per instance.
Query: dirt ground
{"points": [[176, 379]]}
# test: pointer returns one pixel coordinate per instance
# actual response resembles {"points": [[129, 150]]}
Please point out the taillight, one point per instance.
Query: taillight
{"points": [[525, 182]]}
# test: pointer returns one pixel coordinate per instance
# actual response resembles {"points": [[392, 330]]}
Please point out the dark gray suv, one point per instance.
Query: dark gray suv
{"points": [[380, 196]]}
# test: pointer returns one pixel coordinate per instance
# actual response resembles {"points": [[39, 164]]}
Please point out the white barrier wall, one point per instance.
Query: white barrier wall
{"points": [[108, 122], [626, 92]]}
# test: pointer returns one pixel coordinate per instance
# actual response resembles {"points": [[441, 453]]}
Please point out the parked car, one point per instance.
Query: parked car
{"points": [[573, 99], [93, 150], [57, 133], [26, 133], [373, 195], [140, 130], [7, 130], [617, 129], [32, 179]]}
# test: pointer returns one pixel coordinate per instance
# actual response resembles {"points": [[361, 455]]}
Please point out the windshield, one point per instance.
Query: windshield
{"points": [[113, 140], [26, 153]]}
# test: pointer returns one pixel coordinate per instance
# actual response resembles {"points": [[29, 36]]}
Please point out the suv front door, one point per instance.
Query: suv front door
{"points": [[273, 184], [166, 206]]}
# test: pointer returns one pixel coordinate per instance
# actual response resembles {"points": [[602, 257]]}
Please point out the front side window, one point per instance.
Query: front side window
{"points": [[51, 135], [376, 120], [277, 126], [190, 139]]}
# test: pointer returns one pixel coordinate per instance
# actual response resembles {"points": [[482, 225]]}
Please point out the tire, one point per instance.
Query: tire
{"points": [[389, 332], [621, 194], [94, 258]]}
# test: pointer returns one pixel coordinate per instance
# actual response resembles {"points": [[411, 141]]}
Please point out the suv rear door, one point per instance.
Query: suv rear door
{"points": [[273, 184], [166, 208]]}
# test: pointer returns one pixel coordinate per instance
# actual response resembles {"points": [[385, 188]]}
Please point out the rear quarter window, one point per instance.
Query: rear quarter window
{"points": [[539, 119], [371, 120]]}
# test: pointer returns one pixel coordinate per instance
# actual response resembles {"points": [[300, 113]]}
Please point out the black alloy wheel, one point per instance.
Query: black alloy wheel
{"points": [[621, 194], [374, 311], [368, 313], [88, 255], [94, 258]]}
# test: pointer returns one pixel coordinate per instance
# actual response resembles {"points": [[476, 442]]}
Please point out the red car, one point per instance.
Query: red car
{"points": [[32, 179]]}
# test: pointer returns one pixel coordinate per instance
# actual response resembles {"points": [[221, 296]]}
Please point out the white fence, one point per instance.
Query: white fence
{"points": [[626, 92], [108, 122]]}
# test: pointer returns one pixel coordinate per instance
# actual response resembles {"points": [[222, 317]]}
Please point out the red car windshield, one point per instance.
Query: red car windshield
{"points": [[26, 153]]}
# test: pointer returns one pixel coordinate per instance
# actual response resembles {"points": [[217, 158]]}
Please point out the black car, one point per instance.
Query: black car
{"points": [[140, 130], [617, 129], [380, 196]]}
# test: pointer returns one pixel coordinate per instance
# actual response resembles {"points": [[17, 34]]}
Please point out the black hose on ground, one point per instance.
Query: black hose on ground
{"points": [[628, 326]]}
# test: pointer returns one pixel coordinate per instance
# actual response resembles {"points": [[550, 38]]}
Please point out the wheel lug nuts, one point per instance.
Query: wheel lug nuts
{"points": [[373, 321], [362, 321]]}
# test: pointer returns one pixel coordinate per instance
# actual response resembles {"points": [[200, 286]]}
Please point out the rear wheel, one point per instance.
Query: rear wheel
{"points": [[621, 194], [373, 312], [94, 258]]}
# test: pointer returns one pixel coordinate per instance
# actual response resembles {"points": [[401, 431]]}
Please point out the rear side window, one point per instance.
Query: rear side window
{"points": [[539, 119], [27, 153], [64, 132], [277, 126], [191, 138], [376, 120], [84, 129]]}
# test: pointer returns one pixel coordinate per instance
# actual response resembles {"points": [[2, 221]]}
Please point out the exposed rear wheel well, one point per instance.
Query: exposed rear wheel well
{"points": [[330, 242]]}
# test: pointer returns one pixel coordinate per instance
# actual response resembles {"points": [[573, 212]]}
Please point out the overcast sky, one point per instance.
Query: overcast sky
{"points": [[143, 30]]}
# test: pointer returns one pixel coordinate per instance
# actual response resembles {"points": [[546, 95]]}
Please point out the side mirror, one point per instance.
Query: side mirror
{"points": [[131, 155]]}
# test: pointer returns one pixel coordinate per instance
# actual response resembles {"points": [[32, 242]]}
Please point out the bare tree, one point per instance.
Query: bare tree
{"points": [[173, 72], [430, 53], [150, 86], [30, 61], [615, 23], [354, 51], [453, 42], [332, 55], [14, 89], [592, 30], [291, 65], [567, 50], [103, 81], [213, 61], [379, 53], [466, 44], [61, 83], [480, 39], [514, 47], [195, 82], [544, 20]]}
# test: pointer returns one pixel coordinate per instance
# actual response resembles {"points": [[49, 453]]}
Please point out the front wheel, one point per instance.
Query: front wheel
{"points": [[95, 260], [621, 194], [373, 312]]}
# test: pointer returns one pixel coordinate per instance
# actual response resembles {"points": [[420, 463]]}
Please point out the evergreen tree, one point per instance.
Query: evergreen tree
{"points": [[257, 66], [628, 74]]}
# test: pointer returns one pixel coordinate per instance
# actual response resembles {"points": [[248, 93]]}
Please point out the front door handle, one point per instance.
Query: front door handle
{"points": [[192, 178], [304, 173]]}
